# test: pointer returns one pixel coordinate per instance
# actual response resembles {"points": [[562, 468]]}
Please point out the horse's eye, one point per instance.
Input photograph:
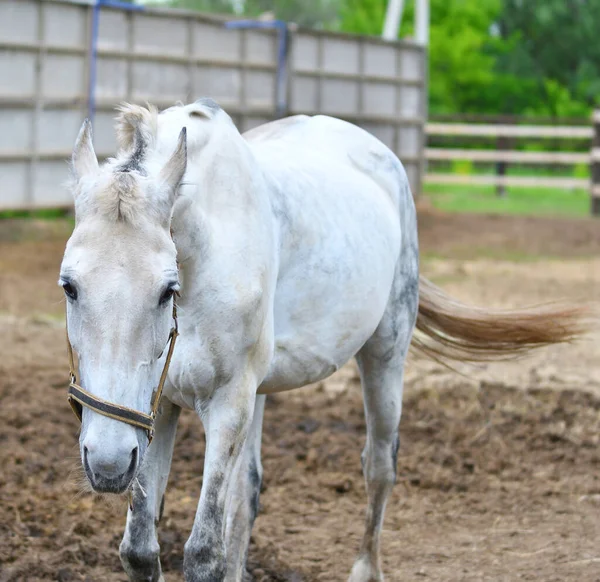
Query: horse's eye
{"points": [[166, 296], [70, 291]]}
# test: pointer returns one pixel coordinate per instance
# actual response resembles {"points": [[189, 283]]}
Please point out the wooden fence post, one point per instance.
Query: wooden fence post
{"points": [[595, 165], [502, 144]]}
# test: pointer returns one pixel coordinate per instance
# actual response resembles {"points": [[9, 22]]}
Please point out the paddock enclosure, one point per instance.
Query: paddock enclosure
{"points": [[499, 465], [498, 471]]}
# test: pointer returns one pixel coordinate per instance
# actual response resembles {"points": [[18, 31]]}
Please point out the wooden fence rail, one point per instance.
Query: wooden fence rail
{"points": [[501, 157], [515, 157], [490, 130]]}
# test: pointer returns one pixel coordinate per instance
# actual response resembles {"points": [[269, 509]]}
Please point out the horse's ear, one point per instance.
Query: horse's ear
{"points": [[84, 160], [174, 170]]}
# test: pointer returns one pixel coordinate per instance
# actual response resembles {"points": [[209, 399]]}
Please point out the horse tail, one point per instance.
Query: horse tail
{"points": [[450, 330]]}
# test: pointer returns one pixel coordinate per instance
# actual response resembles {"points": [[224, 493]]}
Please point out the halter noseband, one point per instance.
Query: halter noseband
{"points": [[78, 397]]}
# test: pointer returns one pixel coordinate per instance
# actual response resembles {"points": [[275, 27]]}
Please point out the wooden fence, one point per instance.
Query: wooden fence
{"points": [[501, 156]]}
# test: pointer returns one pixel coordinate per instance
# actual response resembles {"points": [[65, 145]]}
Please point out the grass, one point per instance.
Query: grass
{"points": [[518, 200], [523, 201], [41, 214]]}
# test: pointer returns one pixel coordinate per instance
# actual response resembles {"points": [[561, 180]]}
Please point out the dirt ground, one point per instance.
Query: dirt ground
{"points": [[498, 471]]}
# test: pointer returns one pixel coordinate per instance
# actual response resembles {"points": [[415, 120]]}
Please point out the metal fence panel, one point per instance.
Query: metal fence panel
{"points": [[379, 86], [381, 60], [16, 134], [19, 22], [164, 56], [64, 26], [17, 74]]}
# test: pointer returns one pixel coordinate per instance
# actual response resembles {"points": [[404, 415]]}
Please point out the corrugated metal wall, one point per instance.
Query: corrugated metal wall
{"points": [[163, 56]]}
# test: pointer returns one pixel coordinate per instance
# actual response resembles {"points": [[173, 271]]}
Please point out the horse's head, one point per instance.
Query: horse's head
{"points": [[119, 274]]}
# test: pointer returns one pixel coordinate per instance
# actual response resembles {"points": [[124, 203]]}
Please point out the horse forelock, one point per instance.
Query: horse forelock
{"points": [[123, 199], [116, 196]]}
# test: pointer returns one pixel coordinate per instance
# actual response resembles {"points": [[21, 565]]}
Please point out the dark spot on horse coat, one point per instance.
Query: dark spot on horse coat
{"points": [[141, 562], [213, 514], [205, 563], [395, 448], [136, 556], [204, 556], [255, 482]]}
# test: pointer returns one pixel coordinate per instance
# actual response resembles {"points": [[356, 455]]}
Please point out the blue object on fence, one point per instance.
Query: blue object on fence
{"points": [[283, 39], [94, 45]]}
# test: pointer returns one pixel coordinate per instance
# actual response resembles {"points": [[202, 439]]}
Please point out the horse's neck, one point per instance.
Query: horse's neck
{"points": [[224, 191], [225, 175]]}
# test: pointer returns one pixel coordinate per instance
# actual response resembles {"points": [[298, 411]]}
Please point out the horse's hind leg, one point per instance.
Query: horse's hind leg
{"points": [[381, 364]]}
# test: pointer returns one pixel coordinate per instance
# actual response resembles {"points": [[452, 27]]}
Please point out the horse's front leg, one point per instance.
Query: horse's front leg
{"points": [[139, 549], [227, 418], [243, 497]]}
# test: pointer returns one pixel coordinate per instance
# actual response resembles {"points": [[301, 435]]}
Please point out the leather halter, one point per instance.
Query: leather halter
{"points": [[78, 397]]}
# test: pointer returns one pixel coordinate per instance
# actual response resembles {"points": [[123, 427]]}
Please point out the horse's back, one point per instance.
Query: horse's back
{"points": [[337, 199]]}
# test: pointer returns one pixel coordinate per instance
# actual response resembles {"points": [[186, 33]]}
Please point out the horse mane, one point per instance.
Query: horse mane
{"points": [[132, 119], [136, 120]]}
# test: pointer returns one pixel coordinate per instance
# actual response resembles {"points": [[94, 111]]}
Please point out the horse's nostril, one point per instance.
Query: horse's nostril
{"points": [[134, 457]]}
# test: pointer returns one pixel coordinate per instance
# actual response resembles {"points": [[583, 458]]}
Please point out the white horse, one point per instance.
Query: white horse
{"points": [[294, 248]]}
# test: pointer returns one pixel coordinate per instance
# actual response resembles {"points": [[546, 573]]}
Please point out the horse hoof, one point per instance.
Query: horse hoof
{"points": [[364, 571]]}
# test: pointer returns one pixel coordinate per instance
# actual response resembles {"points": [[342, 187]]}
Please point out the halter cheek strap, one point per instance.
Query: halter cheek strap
{"points": [[78, 397]]}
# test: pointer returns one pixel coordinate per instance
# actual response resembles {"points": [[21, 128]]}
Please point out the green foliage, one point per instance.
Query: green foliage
{"points": [[461, 66], [363, 16], [556, 101], [560, 48], [462, 167]]}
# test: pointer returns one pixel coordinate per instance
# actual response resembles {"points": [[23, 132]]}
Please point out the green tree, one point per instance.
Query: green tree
{"points": [[461, 66], [363, 16], [556, 45]]}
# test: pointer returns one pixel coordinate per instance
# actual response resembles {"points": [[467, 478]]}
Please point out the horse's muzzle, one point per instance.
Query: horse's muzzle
{"points": [[106, 478]]}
